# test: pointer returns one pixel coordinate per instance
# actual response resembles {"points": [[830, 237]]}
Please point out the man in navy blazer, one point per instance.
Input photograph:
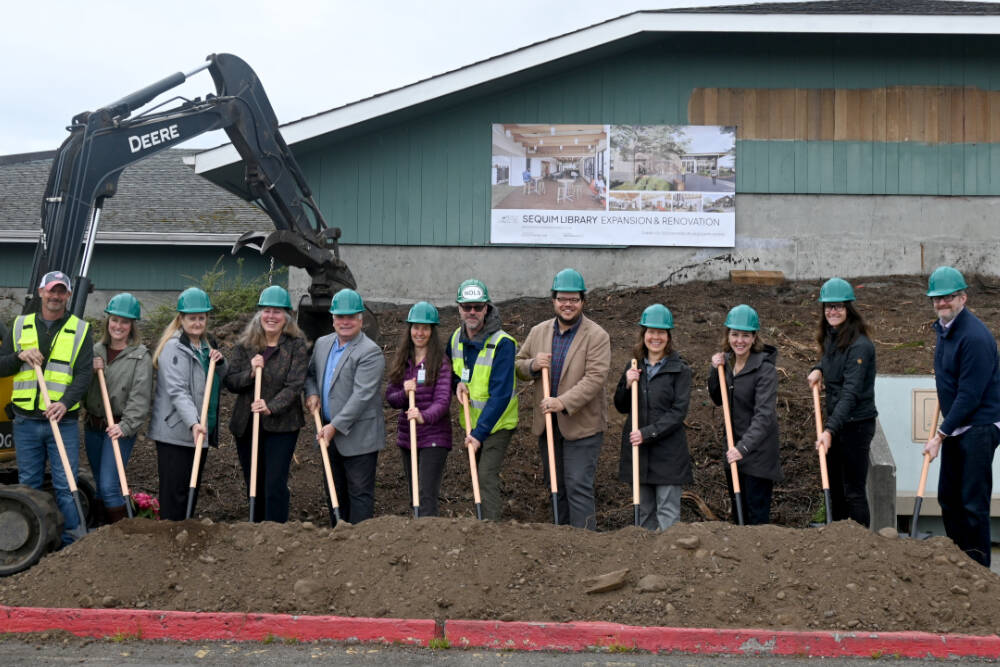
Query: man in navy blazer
{"points": [[343, 381]]}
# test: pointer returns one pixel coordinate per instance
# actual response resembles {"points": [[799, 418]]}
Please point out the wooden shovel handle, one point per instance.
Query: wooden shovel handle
{"points": [[473, 467], [327, 471], [109, 417], [635, 427], [927, 457], [546, 393], [255, 437], [817, 411], [200, 440], [414, 482], [729, 425], [56, 433]]}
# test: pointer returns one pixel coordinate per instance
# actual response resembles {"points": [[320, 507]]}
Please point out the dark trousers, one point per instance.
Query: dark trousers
{"points": [[964, 489], [274, 458], [173, 464], [755, 496], [576, 465], [430, 466], [354, 477], [489, 462], [847, 468]]}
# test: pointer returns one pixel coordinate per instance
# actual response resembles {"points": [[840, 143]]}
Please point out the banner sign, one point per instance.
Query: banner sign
{"points": [[660, 185]]}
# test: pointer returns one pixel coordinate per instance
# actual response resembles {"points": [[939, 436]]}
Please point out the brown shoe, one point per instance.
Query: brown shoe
{"points": [[116, 513]]}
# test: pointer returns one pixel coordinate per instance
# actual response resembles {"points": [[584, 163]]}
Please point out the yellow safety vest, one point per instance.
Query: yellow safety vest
{"points": [[58, 372], [479, 383]]}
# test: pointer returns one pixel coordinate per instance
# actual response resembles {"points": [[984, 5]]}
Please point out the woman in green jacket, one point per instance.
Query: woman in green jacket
{"points": [[128, 373]]}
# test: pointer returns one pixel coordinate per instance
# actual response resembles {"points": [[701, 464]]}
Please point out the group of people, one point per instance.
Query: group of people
{"points": [[480, 363]]}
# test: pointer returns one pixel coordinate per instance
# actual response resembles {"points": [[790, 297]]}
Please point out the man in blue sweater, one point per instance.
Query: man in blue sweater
{"points": [[967, 374], [482, 362]]}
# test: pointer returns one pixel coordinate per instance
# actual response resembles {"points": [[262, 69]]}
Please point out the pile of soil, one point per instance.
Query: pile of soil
{"points": [[694, 575], [784, 575]]}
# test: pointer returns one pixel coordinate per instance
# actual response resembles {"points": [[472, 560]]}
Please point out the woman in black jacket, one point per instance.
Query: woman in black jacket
{"points": [[752, 389], [847, 368], [660, 441]]}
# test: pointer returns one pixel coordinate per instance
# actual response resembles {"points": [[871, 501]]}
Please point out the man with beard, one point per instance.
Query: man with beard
{"points": [[482, 362], [577, 352], [967, 375]]}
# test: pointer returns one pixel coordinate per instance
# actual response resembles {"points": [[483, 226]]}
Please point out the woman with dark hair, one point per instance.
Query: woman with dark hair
{"points": [[847, 368], [420, 365], [659, 439], [128, 374], [752, 390], [272, 342]]}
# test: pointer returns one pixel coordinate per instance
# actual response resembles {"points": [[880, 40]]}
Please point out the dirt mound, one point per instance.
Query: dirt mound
{"points": [[695, 575]]}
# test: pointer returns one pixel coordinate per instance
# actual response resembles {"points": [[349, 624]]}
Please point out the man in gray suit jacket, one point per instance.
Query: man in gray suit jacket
{"points": [[343, 381]]}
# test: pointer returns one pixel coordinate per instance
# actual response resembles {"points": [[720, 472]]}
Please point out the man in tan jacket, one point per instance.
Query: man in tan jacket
{"points": [[577, 352]]}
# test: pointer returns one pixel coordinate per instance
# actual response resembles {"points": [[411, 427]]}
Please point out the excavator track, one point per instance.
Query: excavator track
{"points": [[30, 526]]}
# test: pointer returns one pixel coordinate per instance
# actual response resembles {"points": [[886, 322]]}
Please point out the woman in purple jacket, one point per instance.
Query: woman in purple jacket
{"points": [[420, 365]]}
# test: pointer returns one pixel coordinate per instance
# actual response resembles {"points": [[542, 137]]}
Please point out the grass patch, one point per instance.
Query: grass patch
{"points": [[439, 643], [122, 636], [909, 345]]}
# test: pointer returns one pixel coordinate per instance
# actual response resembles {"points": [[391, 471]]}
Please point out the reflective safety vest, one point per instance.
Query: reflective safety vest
{"points": [[479, 383], [58, 371]]}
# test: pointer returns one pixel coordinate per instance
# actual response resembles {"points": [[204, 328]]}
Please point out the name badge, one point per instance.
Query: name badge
{"points": [[466, 375], [421, 375]]}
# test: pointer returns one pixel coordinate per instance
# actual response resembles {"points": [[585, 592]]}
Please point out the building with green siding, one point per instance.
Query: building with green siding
{"points": [[162, 232], [868, 142]]}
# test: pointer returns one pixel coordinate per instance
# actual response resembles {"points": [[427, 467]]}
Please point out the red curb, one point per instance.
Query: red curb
{"points": [[588, 636], [189, 625]]}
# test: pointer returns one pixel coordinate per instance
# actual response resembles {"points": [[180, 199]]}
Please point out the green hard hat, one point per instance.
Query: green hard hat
{"points": [[945, 280], [836, 290], [347, 302], [423, 313], [275, 296], [123, 305], [657, 316], [743, 318], [568, 280], [472, 291], [193, 300]]}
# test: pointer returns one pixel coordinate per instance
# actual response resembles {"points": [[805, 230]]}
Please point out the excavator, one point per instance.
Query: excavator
{"points": [[85, 173]]}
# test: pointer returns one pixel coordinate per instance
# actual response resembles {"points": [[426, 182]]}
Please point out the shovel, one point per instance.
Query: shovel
{"points": [[115, 447], [323, 445], [254, 442], [823, 476], [414, 482], [729, 441], [472, 461], [553, 484], [61, 446], [923, 475], [635, 448], [200, 440]]}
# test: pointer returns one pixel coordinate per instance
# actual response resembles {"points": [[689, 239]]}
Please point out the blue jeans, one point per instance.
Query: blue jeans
{"points": [[101, 455], [34, 444]]}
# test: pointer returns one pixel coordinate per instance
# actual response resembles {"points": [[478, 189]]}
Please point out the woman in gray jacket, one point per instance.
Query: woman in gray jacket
{"points": [[182, 359], [128, 373]]}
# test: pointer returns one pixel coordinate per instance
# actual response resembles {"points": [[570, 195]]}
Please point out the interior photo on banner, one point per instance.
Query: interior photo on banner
{"points": [[670, 185]]}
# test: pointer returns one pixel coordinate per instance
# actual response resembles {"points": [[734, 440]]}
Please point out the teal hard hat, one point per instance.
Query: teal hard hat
{"points": [[472, 291], [568, 280], [193, 300], [836, 290], [124, 305], [423, 313], [945, 280], [347, 302], [275, 296], [743, 318], [657, 316]]}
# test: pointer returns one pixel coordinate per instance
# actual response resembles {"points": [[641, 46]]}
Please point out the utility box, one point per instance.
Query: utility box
{"points": [[905, 409]]}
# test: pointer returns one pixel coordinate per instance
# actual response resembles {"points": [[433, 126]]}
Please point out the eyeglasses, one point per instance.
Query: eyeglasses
{"points": [[946, 298], [469, 307], [568, 300], [834, 306]]}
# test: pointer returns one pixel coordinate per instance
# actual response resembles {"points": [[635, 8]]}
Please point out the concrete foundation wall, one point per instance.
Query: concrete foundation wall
{"points": [[805, 236]]}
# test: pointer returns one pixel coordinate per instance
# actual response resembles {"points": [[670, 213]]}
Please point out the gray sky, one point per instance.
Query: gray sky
{"points": [[58, 58]]}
